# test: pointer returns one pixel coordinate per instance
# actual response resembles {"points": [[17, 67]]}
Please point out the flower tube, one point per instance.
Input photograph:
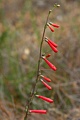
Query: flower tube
{"points": [[46, 85], [45, 78], [45, 98], [50, 27], [54, 25], [48, 40], [52, 47], [50, 64], [51, 44], [38, 111]]}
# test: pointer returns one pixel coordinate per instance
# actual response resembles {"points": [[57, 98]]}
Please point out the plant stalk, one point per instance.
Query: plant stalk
{"points": [[38, 69]]}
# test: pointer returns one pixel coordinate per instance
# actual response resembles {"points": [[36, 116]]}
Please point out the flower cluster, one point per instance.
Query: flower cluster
{"points": [[43, 78]]}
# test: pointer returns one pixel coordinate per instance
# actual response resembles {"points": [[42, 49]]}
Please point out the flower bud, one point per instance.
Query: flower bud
{"points": [[58, 5], [48, 55]]}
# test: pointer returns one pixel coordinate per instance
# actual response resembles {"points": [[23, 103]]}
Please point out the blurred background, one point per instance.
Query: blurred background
{"points": [[21, 27]]}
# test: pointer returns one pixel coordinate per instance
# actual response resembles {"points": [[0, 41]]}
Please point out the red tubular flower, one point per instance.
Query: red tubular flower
{"points": [[45, 98], [51, 44], [45, 78], [50, 64], [46, 85], [53, 48], [54, 25], [54, 44], [38, 111], [50, 27]]}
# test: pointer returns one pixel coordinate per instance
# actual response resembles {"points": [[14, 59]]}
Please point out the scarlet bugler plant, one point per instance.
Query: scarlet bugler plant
{"points": [[40, 76]]}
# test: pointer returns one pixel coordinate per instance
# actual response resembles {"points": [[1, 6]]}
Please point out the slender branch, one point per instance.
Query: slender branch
{"points": [[38, 69]]}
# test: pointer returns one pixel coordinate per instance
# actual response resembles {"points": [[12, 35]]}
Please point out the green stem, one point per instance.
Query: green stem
{"points": [[38, 69]]}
